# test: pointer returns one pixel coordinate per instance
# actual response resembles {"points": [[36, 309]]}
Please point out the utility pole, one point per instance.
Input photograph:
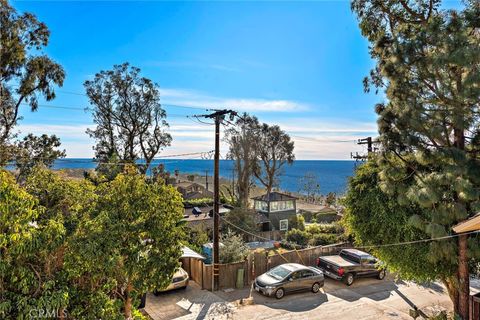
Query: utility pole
{"points": [[206, 180], [218, 116], [233, 180], [369, 142]]}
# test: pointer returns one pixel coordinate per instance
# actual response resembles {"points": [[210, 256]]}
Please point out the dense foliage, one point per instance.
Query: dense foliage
{"points": [[428, 63], [233, 248], [374, 217], [33, 150], [316, 235], [77, 250]]}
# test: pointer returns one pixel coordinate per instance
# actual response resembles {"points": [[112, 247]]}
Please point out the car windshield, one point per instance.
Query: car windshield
{"points": [[279, 272]]}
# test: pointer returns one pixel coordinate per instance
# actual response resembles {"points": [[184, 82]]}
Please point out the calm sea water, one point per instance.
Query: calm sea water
{"points": [[332, 174]]}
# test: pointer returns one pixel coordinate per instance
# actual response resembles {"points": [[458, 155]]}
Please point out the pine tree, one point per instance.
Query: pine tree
{"points": [[428, 62]]}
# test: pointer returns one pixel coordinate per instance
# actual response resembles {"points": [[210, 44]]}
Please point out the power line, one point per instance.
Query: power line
{"points": [[202, 154], [363, 247], [418, 241]]}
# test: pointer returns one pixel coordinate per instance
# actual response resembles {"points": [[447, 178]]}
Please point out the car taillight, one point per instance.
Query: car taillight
{"points": [[341, 271], [317, 262]]}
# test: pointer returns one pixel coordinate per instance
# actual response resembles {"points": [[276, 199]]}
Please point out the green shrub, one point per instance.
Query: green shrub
{"points": [[307, 215], [321, 239], [198, 202], [296, 222], [299, 237], [324, 228]]}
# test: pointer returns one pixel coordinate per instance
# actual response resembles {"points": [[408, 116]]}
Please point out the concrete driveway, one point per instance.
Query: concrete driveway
{"points": [[186, 304], [366, 299]]}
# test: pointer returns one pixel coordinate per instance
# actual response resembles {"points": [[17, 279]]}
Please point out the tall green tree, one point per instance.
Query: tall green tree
{"points": [[376, 218], [130, 122], [26, 73], [242, 140], [274, 150], [428, 63], [37, 225], [133, 241], [33, 150]]}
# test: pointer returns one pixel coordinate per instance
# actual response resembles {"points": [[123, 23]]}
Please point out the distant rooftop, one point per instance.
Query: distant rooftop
{"points": [[186, 184], [275, 196]]}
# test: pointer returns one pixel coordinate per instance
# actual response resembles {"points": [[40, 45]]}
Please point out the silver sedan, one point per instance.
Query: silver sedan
{"points": [[289, 277]]}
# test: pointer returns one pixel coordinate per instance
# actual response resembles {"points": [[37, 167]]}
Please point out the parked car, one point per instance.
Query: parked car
{"points": [[289, 277], [179, 281], [350, 264]]}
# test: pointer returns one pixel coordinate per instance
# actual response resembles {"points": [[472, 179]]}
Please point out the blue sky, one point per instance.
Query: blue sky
{"points": [[296, 64]]}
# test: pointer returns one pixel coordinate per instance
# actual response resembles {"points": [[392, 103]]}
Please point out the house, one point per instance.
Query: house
{"points": [[276, 208], [192, 190], [202, 216]]}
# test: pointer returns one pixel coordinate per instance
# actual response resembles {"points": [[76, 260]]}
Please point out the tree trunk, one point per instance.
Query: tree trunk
{"points": [[462, 271], [451, 284], [463, 277], [128, 302]]}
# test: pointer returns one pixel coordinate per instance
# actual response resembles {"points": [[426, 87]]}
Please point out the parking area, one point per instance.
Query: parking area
{"points": [[366, 299], [186, 304]]}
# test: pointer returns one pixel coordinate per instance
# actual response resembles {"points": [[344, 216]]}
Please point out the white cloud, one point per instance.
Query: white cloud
{"points": [[313, 140], [198, 99]]}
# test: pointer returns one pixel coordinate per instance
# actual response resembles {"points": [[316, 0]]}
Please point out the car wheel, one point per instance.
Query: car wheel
{"points": [[279, 293], [349, 279], [381, 274], [316, 287]]}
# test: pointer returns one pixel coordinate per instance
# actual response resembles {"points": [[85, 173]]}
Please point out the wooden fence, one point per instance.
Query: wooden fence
{"points": [[475, 306], [254, 265]]}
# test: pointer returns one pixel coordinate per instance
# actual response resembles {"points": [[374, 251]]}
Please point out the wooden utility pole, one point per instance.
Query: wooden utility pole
{"points": [[206, 180], [369, 142], [218, 117]]}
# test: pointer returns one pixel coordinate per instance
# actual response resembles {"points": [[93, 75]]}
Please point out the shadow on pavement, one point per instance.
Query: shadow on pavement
{"points": [[191, 303], [373, 289]]}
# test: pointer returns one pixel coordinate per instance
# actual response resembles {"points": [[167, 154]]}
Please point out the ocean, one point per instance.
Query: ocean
{"points": [[332, 174]]}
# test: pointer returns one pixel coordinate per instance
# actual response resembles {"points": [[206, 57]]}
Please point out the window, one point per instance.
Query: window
{"points": [[284, 225], [289, 205], [307, 274], [274, 206], [261, 205], [348, 256], [281, 205]]}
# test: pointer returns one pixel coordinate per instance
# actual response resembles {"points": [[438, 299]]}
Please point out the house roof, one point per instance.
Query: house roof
{"points": [[186, 184], [198, 195], [189, 253], [472, 224], [275, 196]]}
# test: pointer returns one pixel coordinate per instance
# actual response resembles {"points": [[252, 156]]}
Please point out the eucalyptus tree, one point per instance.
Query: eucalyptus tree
{"points": [[242, 140], [130, 122], [36, 150], [274, 150], [428, 63], [26, 73]]}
